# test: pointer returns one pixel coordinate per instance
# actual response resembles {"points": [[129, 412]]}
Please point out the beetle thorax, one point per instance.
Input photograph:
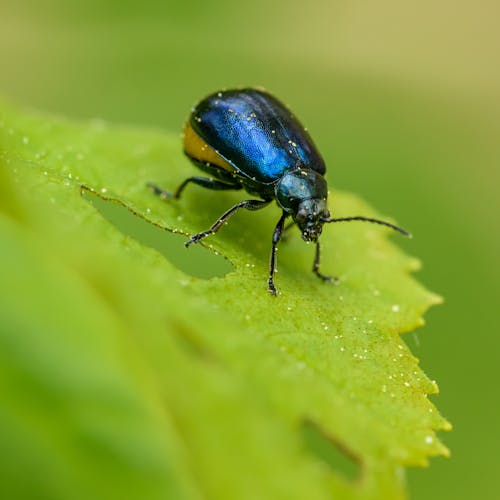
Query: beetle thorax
{"points": [[303, 193]]}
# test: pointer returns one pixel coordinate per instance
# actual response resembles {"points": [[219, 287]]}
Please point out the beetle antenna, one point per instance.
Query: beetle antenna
{"points": [[368, 219]]}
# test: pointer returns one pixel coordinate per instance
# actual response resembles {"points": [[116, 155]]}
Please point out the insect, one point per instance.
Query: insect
{"points": [[247, 139]]}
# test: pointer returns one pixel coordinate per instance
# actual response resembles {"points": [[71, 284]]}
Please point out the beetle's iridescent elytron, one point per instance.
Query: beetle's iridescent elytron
{"points": [[246, 138]]}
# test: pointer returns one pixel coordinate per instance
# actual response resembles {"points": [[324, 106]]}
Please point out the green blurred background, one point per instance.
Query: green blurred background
{"points": [[402, 98]]}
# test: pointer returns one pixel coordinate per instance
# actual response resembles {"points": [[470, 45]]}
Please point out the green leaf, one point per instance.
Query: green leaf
{"points": [[124, 374]]}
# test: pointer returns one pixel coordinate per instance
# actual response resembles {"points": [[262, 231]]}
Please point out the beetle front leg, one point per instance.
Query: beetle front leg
{"points": [[284, 235], [278, 231], [315, 269]]}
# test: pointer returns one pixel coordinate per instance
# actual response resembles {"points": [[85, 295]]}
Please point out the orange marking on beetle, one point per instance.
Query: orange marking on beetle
{"points": [[198, 149]]}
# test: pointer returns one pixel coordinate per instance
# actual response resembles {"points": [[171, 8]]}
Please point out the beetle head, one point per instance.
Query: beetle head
{"points": [[309, 217], [302, 193]]}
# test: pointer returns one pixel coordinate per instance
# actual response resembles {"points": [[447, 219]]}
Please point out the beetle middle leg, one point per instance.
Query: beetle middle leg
{"points": [[247, 204], [317, 258]]}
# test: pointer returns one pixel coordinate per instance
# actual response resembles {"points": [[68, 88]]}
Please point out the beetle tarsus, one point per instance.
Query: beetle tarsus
{"points": [[317, 258], [270, 287], [197, 238], [326, 279], [158, 191]]}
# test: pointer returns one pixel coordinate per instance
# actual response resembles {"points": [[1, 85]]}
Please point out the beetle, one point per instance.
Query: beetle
{"points": [[247, 139]]}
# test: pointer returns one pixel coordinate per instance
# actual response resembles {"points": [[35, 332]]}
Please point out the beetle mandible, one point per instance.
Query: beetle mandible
{"points": [[247, 139]]}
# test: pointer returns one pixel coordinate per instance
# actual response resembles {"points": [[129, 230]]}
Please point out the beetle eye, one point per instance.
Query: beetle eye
{"points": [[302, 214]]}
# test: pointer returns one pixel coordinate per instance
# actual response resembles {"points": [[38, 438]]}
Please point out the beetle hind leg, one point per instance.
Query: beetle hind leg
{"points": [[200, 181]]}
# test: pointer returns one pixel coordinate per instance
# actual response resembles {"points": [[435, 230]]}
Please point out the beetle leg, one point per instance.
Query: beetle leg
{"points": [[201, 181], [284, 236], [247, 204], [278, 231], [315, 269], [164, 195]]}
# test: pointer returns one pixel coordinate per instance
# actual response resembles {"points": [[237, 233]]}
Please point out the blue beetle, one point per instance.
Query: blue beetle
{"points": [[246, 138]]}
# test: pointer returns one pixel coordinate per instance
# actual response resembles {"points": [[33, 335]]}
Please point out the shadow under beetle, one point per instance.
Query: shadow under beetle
{"points": [[246, 138]]}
